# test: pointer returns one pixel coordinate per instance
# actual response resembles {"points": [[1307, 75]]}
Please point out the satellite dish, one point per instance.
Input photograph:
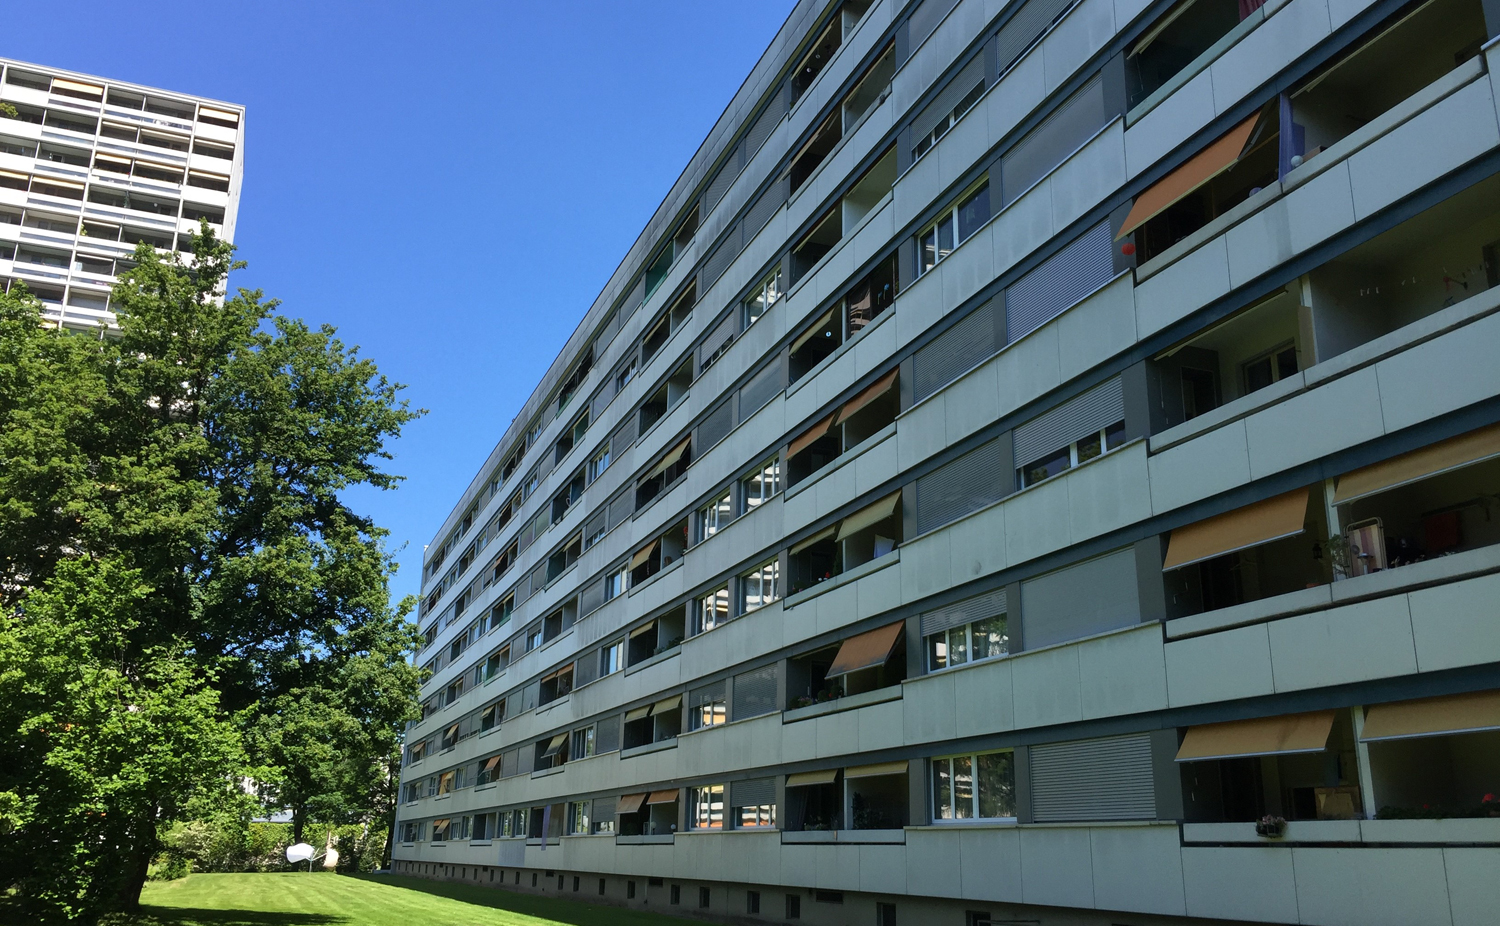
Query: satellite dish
{"points": [[301, 852]]}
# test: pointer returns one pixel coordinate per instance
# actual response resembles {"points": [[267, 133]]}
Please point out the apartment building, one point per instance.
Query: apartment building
{"points": [[1041, 464], [90, 167]]}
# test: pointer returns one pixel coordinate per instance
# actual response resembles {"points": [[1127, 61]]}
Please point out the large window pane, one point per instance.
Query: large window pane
{"points": [[942, 789], [974, 212], [990, 637], [997, 797], [963, 786]]}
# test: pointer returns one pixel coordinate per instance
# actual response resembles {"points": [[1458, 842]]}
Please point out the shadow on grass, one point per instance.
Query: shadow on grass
{"points": [[151, 915], [579, 912]]}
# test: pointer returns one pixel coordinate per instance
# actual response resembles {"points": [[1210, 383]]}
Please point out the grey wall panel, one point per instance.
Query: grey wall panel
{"points": [[924, 19], [752, 793], [772, 199], [937, 111], [761, 388], [963, 612], [607, 734], [764, 125], [1060, 282], [722, 181], [620, 508], [714, 427], [724, 254], [1063, 132], [623, 437], [1102, 779], [1024, 28], [755, 693], [973, 338], [1079, 601], [956, 488], [1073, 420]]}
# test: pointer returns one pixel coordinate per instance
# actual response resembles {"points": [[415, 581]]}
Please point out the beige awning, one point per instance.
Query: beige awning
{"points": [[874, 514], [644, 628], [804, 779], [1199, 169], [101, 156], [1444, 456], [1161, 26], [1264, 736], [224, 114], [823, 534], [453, 730], [1241, 529], [662, 797], [643, 554], [672, 456], [59, 83], [630, 803], [441, 823], [489, 766], [556, 745], [806, 438], [812, 332], [872, 392], [879, 768], [871, 648], [1470, 712], [14, 175], [667, 704], [638, 713]]}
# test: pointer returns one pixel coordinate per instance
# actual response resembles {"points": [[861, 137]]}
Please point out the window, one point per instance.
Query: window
{"points": [[626, 374], [599, 463], [441, 829], [752, 901], [1271, 367], [617, 583], [710, 708], [584, 744], [675, 895], [794, 906], [559, 684], [885, 914], [703, 897], [758, 815], [974, 787], [713, 610], [706, 805], [578, 822], [533, 637], [921, 145], [715, 516], [967, 643], [761, 485], [824, 237], [762, 298], [759, 587], [952, 228], [817, 58], [1080, 451], [491, 716], [612, 658], [630, 890]]}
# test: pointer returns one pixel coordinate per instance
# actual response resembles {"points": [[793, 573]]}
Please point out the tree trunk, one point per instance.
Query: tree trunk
{"points": [[137, 863], [299, 821]]}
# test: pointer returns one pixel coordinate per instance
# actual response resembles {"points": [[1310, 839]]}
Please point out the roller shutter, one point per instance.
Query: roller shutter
{"points": [[755, 692], [717, 339], [1073, 420], [765, 124], [964, 612], [725, 252], [760, 213], [1024, 28], [761, 388], [937, 111], [621, 508], [976, 336], [1059, 283], [722, 181], [752, 793], [1087, 780], [959, 487], [925, 18], [715, 426], [607, 734]]}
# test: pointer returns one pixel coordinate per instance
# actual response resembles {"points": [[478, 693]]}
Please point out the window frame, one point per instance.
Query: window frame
{"points": [[701, 806], [749, 501], [952, 217], [758, 577], [1111, 438], [969, 638], [766, 294], [974, 798]]}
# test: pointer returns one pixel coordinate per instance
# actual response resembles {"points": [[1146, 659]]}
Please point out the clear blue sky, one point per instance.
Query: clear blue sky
{"points": [[449, 184]]}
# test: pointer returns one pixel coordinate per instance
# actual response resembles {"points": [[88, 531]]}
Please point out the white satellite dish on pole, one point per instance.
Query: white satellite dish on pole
{"points": [[301, 852]]}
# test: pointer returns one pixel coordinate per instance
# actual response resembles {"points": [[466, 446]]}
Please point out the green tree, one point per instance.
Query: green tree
{"points": [[196, 463]]}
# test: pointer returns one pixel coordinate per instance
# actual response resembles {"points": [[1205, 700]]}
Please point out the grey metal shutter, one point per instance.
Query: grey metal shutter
{"points": [[722, 181], [718, 423], [752, 793], [708, 694], [525, 537], [722, 334], [510, 763], [623, 437], [972, 339], [964, 612], [765, 123], [545, 464], [959, 487], [754, 692], [522, 591], [1049, 144], [1076, 418], [937, 111], [587, 668], [1025, 27], [1102, 779], [759, 214], [604, 807], [601, 399], [621, 508], [592, 597], [607, 333], [1087, 598], [527, 760], [1059, 283], [634, 300], [925, 18], [725, 252], [607, 734], [761, 388], [596, 524]]}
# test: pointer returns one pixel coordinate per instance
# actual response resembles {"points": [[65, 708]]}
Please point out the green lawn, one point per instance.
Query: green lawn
{"points": [[320, 899]]}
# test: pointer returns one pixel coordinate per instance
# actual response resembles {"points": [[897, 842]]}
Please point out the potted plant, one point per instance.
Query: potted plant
{"points": [[1271, 827]]}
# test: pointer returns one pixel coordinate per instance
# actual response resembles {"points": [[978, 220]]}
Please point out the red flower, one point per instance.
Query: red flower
{"points": [[1488, 798]]}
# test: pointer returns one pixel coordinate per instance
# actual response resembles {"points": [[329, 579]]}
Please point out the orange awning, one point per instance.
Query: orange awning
{"points": [[1470, 712], [489, 766], [662, 797], [872, 392], [1199, 169], [630, 803], [1444, 456], [1264, 736], [1241, 529], [871, 648], [807, 437]]}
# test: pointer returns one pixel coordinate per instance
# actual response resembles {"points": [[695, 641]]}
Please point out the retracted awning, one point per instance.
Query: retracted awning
{"points": [[667, 704], [1470, 712], [806, 438], [672, 457], [804, 779], [643, 554], [871, 392], [803, 544], [59, 83], [630, 803], [1263, 736], [644, 628], [556, 745], [816, 329], [879, 768], [1199, 169], [662, 797], [224, 114], [871, 648], [1241, 529], [874, 514], [638, 713], [1444, 456]]}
